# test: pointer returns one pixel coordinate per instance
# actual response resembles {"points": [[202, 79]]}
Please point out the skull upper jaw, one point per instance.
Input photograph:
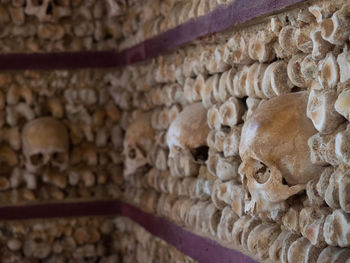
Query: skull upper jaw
{"points": [[268, 191], [41, 159]]}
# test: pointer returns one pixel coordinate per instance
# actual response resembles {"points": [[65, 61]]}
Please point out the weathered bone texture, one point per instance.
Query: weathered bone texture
{"points": [[260, 46], [265, 151], [301, 250], [343, 62], [275, 81], [45, 142], [342, 145], [287, 38], [228, 217], [322, 148], [311, 224], [290, 219], [333, 187], [341, 104], [294, 72], [336, 28], [214, 136], [320, 46], [328, 74], [333, 254], [231, 194], [261, 238], [314, 198], [236, 50], [36, 26], [278, 250], [231, 112], [186, 138], [104, 239], [139, 138], [303, 37], [336, 229], [320, 109]]}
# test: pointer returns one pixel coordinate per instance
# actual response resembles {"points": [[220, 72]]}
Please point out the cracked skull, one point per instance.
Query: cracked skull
{"points": [[187, 141], [139, 139], [275, 154], [45, 144]]}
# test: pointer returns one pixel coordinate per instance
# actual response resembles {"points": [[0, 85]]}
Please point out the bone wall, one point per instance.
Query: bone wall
{"points": [[105, 240], [76, 25], [271, 177], [240, 136], [61, 137]]}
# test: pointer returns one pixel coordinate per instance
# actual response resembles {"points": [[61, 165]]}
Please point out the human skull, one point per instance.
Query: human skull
{"points": [[47, 10], [275, 154], [45, 144], [187, 141], [138, 141]]}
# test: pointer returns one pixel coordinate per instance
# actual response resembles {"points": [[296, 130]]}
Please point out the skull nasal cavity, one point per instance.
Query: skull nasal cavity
{"points": [[59, 157], [49, 10], [36, 159], [201, 153], [132, 154]]}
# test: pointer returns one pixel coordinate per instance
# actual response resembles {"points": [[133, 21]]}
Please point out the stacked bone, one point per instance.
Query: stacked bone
{"points": [[299, 210], [76, 25], [60, 137], [327, 108], [103, 240], [162, 172], [146, 20], [46, 26]]}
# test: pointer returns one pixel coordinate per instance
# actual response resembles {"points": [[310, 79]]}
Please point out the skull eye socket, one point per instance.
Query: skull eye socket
{"points": [[49, 10], [60, 2], [132, 154], [200, 153], [262, 174], [284, 181], [36, 159], [58, 157], [37, 2]]}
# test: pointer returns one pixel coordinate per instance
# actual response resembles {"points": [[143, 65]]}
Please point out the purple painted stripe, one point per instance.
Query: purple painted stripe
{"points": [[201, 249], [52, 210], [221, 18], [64, 60]]}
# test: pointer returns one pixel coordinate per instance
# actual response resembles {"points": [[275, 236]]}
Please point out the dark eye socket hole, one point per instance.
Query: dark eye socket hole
{"points": [[201, 153], [37, 2], [59, 2], [22, 99], [132, 154], [225, 128], [36, 158], [49, 10], [263, 168], [295, 89], [58, 157], [6, 169]]}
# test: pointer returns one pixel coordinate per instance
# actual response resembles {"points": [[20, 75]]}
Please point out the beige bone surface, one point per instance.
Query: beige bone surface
{"points": [[45, 142], [276, 137]]}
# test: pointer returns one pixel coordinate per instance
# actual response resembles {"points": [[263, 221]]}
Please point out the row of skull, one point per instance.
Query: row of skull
{"points": [[274, 151]]}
